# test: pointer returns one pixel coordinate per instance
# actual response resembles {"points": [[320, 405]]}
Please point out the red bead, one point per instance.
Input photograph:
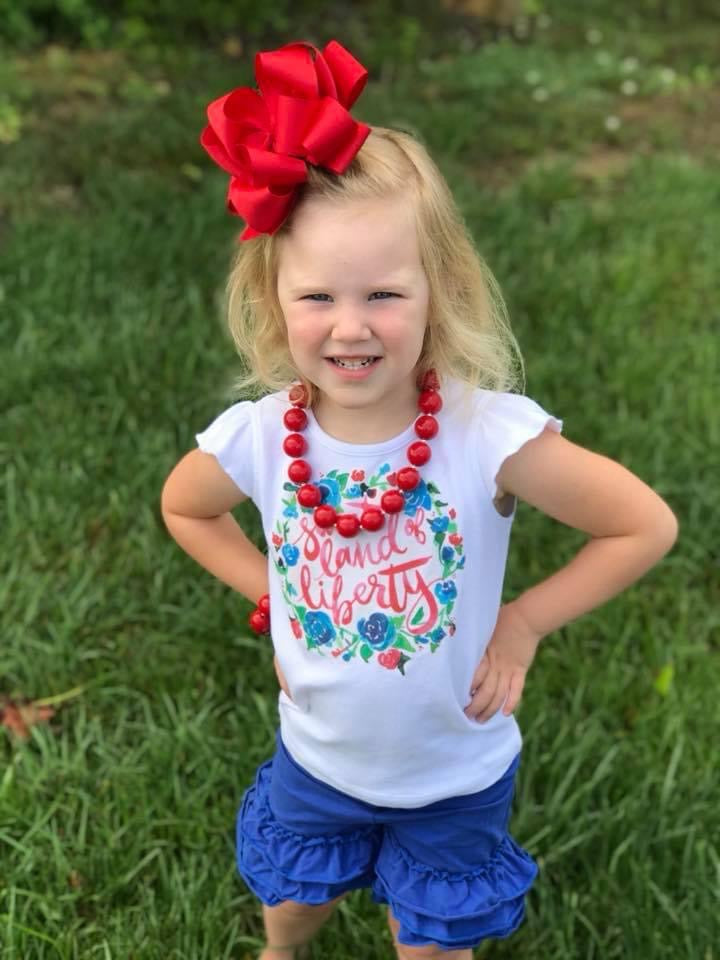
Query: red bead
{"points": [[418, 453], [264, 603], [298, 396], [259, 621], [309, 495], [372, 518], [347, 524], [392, 501], [408, 478], [430, 401], [295, 419], [294, 444], [430, 381], [325, 515], [299, 471], [426, 427]]}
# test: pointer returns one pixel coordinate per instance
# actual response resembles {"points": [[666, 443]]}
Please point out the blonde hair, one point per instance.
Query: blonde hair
{"points": [[468, 334]]}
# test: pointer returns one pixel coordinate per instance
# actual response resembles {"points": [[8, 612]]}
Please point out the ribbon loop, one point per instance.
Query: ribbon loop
{"points": [[265, 138]]}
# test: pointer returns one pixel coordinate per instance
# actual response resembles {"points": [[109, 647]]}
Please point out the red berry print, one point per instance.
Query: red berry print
{"points": [[390, 658], [453, 513], [277, 541], [455, 539], [296, 628], [358, 475], [392, 479]]}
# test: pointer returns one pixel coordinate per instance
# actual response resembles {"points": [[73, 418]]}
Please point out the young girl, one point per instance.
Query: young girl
{"points": [[386, 459]]}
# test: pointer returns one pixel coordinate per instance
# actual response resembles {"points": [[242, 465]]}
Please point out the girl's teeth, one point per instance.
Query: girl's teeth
{"points": [[353, 364]]}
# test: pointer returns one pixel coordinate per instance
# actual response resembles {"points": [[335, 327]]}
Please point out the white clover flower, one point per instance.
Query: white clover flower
{"points": [[667, 75], [612, 123], [603, 58], [629, 87], [593, 36], [629, 64], [533, 77], [540, 94]]}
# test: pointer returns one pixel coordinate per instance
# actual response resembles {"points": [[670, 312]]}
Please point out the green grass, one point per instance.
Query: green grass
{"points": [[116, 823]]}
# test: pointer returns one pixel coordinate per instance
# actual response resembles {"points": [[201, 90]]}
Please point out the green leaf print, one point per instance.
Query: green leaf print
{"points": [[432, 488], [397, 621], [366, 652], [420, 613], [439, 537], [404, 644]]}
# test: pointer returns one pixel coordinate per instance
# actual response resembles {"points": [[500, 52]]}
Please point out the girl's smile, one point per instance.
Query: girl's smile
{"points": [[355, 296]]}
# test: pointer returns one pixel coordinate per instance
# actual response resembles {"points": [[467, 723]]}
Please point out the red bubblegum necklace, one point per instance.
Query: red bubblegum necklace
{"points": [[309, 494]]}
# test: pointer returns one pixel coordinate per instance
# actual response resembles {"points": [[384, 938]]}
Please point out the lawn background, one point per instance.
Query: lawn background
{"points": [[582, 147]]}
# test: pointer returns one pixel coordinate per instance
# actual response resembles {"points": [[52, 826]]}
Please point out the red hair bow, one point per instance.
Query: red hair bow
{"points": [[300, 115]]}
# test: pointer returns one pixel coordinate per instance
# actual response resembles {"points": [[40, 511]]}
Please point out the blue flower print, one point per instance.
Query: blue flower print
{"points": [[447, 554], [445, 591], [385, 468], [330, 490], [290, 554], [439, 524], [353, 492], [417, 497], [318, 626], [437, 634], [377, 630], [290, 511]]}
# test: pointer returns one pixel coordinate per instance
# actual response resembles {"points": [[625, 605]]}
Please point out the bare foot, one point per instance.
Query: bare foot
{"points": [[284, 953]]}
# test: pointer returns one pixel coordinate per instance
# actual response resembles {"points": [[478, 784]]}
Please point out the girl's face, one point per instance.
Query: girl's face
{"points": [[355, 300]]}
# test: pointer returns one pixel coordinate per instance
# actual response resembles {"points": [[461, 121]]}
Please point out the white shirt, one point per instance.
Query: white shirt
{"points": [[379, 635]]}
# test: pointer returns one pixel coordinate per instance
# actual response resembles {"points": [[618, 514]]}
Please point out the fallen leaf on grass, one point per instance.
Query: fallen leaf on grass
{"points": [[19, 717]]}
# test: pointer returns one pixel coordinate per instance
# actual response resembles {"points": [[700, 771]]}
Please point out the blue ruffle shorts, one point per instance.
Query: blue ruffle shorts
{"points": [[450, 871]]}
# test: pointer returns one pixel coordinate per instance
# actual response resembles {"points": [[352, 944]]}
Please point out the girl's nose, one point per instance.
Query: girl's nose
{"points": [[351, 324]]}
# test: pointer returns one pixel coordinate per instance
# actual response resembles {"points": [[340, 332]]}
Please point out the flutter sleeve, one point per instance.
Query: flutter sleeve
{"points": [[231, 438], [506, 422]]}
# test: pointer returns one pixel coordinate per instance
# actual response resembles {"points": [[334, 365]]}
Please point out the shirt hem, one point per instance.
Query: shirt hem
{"points": [[407, 802]]}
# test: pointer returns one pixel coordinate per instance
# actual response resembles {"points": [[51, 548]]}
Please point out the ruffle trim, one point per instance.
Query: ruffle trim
{"points": [[278, 864], [488, 902]]}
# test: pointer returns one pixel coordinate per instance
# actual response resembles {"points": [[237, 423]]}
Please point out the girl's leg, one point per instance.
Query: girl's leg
{"points": [[292, 924], [431, 952]]}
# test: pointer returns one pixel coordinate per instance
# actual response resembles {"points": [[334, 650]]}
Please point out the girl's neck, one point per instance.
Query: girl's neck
{"points": [[363, 425]]}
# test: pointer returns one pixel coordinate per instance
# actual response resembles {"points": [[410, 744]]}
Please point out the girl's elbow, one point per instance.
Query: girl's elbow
{"points": [[667, 529]]}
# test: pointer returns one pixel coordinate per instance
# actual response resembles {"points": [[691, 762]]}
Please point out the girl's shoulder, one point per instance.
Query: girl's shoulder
{"points": [[496, 425]]}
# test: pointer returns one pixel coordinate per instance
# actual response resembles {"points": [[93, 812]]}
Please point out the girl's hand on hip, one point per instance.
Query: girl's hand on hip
{"points": [[500, 676]]}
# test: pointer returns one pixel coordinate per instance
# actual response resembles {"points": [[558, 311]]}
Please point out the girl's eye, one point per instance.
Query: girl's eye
{"points": [[325, 297]]}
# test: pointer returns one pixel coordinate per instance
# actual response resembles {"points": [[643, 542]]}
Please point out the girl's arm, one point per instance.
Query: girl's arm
{"points": [[195, 504], [630, 526], [630, 529]]}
